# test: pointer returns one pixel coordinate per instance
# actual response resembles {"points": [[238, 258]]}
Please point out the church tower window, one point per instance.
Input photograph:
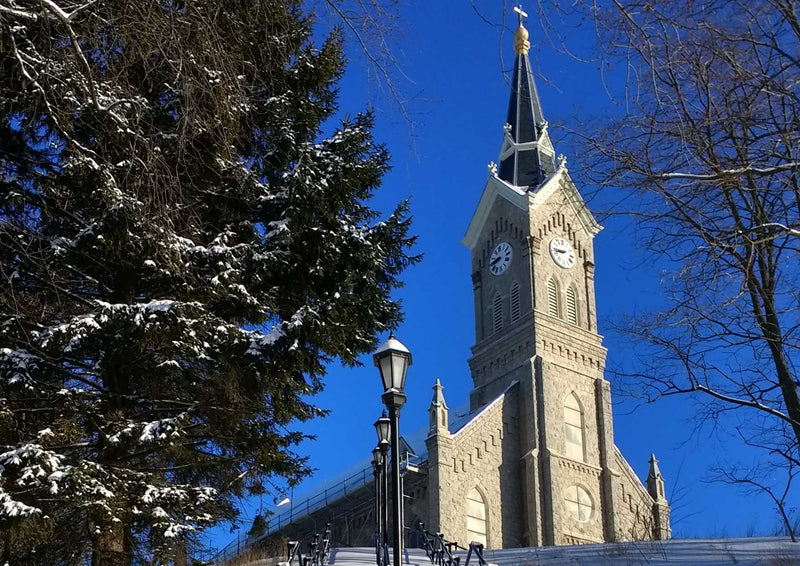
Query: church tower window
{"points": [[515, 306], [476, 517], [578, 503], [497, 311], [572, 306], [573, 428], [552, 297]]}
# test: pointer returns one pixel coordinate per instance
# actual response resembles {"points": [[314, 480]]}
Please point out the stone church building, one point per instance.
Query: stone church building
{"points": [[534, 462]]}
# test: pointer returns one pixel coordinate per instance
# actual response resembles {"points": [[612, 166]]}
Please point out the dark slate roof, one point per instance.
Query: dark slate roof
{"points": [[524, 111], [526, 166]]}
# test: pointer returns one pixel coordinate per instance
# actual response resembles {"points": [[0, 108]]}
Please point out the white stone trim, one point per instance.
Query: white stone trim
{"points": [[561, 180], [494, 188], [485, 408], [633, 477]]}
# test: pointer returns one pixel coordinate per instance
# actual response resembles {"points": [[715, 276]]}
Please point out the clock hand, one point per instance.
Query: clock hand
{"points": [[495, 260]]}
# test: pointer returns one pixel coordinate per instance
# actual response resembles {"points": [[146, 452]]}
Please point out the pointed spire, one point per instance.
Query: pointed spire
{"points": [[654, 472], [438, 396], [438, 411], [655, 481], [526, 156]]}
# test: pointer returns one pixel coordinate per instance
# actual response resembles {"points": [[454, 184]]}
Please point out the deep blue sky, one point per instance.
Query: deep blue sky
{"points": [[458, 86]]}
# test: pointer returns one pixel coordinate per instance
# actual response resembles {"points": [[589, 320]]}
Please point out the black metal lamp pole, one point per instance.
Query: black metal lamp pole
{"points": [[392, 360], [377, 472], [393, 401], [385, 499], [383, 429]]}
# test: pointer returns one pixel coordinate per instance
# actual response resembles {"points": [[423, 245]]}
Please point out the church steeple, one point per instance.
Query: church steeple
{"points": [[526, 156]]}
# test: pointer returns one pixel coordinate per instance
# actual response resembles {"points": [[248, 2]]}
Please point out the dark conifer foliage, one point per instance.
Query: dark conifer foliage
{"points": [[181, 252]]}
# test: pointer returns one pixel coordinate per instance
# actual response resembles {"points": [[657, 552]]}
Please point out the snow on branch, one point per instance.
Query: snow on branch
{"points": [[16, 366], [277, 331], [727, 173], [12, 508]]}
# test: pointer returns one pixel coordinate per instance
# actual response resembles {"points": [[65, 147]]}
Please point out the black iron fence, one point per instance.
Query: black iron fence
{"points": [[440, 550], [318, 551], [317, 500]]}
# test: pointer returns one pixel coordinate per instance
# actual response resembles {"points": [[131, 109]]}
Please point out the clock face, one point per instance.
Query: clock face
{"points": [[500, 258], [562, 253]]}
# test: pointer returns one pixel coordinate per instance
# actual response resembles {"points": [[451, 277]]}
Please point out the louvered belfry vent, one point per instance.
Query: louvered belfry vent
{"points": [[498, 313], [552, 298], [572, 306], [515, 307]]}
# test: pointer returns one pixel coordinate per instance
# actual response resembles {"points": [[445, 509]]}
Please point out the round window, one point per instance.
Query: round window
{"points": [[578, 503]]}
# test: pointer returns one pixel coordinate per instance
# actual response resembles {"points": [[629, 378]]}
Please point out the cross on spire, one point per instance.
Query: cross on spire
{"points": [[520, 13], [526, 158]]}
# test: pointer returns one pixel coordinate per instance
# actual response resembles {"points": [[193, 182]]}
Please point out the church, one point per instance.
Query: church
{"points": [[533, 463]]}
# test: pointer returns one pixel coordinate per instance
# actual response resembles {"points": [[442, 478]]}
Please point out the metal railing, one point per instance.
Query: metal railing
{"points": [[477, 549], [317, 500], [440, 550], [318, 551]]}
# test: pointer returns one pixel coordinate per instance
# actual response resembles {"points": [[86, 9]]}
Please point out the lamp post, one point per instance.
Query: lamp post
{"points": [[377, 469], [392, 360], [383, 429]]}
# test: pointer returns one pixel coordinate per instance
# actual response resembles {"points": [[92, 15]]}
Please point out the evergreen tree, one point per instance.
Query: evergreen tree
{"points": [[182, 251]]}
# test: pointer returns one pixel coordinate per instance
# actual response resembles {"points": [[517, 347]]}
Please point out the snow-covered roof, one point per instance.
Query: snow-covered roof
{"points": [[457, 419], [681, 552]]}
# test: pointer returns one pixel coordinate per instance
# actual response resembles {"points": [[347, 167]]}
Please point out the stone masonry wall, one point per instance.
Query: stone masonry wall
{"points": [[634, 510], [484, 455]]}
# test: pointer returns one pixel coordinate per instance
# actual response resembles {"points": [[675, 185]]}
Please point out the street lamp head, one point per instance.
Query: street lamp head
{"points": [[383, 428], [392, 359], [376, 458]]}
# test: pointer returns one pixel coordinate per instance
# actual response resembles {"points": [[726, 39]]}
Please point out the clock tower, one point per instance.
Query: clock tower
{"points": [[533, 461], [532, 262]]}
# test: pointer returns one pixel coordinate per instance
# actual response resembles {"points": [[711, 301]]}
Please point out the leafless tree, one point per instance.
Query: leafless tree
{"points": [[706, 158]]}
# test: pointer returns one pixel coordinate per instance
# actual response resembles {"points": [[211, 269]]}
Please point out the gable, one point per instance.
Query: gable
{"points": [[561, 181], [528, 200], [495, 188]]}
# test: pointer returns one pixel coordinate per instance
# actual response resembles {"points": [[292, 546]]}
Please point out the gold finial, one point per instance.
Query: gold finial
{"points": [[521, 43]]}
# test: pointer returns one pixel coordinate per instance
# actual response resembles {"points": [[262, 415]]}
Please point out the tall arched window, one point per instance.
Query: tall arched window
{"points": [[552, 297], [515, 306], [573, 428], [476, 517], [572, 306], [497, 313]]}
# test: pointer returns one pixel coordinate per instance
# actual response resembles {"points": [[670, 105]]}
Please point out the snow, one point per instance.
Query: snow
{"points": [[276, 332], [16, 366], [277, 227], [12, 508], [161, 429], [35, 467], [683, 552]]}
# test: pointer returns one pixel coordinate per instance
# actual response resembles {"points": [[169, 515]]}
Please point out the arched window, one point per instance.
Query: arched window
{"points": [[515, 307], [573, 428], [572, 306], [497, 313], [552, 297], [476, 517], [579, 503]]}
